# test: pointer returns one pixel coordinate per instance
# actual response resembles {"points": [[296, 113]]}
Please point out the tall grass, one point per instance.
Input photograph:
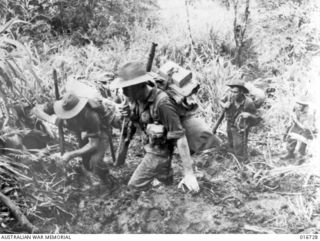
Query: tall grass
{"points": [[211, 26]]}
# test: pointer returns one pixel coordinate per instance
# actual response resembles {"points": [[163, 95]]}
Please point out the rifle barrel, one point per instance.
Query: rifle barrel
{"points": [[151, 56], [216, 126]]}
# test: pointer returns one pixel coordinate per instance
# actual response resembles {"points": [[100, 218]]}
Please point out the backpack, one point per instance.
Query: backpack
{"points": [[256, 94], [258, 97], [177, 83], [104, 107]]}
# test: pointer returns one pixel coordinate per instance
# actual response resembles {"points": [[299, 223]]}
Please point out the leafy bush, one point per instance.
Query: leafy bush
{"points": [[92, 20]]}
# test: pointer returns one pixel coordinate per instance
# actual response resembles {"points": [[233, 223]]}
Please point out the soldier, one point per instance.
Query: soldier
{"points": [[156, 113], [32, 134], [301, 129], [241, 115], [90, 124]]}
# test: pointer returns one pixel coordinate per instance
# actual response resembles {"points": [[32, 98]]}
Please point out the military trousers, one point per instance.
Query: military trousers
{"points": [[93, 161], [152, 166], [238, 142]]}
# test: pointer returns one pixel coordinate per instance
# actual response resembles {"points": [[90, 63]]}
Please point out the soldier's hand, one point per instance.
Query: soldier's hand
{"points": [[244, 115], [66, 157], [35, 111], [84, 135], [227, 104], [124, 110], [190, 182]]}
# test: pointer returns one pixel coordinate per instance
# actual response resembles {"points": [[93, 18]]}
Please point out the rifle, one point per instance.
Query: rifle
{"points": [[60, 128], [126, 135], [128, 129], [151, 56], [216, 126], [109, 134]]}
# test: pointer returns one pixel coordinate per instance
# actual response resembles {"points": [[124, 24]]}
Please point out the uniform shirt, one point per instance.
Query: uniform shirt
{"points": [[94, 118], [307, 118], [165, 113], [233, 111], [86, 121]]}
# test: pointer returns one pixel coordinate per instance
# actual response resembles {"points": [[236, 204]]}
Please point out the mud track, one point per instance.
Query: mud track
{"points": [[231, 200]]}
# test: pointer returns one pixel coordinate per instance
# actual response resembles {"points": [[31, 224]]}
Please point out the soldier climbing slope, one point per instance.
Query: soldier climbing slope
{"points": [[89, 120], [241, 115], [156, 114]]}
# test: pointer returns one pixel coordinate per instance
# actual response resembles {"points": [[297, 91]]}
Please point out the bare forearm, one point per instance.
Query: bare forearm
{"points": [[6, 121], [183, 149], [38, 112], [117, 122], [90, 146], [224, 105]]}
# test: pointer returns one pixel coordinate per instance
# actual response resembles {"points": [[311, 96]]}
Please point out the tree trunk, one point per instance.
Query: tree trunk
{"points": [[239, 31], [18, 214]]}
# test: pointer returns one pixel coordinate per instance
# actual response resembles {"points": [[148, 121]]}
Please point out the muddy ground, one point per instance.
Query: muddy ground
{"points": [[234, 198]]}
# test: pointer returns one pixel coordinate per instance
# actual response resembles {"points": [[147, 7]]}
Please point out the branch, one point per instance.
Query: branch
{"points": [[189, 27], [246, 17], [18, 214], [235, 8], [257, 229], [239, 31]]}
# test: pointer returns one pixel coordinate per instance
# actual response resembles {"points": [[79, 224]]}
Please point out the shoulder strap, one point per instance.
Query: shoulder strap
{"points": [[154, 106]]}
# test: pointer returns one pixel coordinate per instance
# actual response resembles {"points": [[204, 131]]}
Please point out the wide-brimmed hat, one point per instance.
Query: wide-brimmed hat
{"points": [[303, 101], [239, 84], [131, 73], [69, 106]]}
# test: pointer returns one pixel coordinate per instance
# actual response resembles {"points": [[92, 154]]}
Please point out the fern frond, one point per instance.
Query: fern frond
{"points": [[9, 24]]}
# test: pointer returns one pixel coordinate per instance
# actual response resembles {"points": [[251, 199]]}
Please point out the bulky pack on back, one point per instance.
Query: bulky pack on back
{"points": [[106, 110], [179, 85], [104, 107], [256, 94]]}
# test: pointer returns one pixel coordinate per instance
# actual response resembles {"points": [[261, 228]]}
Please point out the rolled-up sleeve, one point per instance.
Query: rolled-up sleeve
{"points": [[112, 113], [170, 119]]}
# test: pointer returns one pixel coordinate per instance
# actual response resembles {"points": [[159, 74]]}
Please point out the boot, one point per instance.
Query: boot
{"points": [[289, 155]]}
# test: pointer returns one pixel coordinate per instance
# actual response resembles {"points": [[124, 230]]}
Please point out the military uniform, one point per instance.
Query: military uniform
{"points": [[94, 123], [238, 128], [161, 109], [296, 134], [167, 125]]}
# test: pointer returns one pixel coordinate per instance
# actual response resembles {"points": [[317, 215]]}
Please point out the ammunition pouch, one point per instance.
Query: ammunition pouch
{"points": [[159, 150], [156, 134]]}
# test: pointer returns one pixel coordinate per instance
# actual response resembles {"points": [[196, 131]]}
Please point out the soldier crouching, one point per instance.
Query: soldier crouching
{"points": [[301, 130]]}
